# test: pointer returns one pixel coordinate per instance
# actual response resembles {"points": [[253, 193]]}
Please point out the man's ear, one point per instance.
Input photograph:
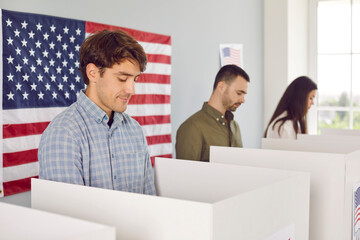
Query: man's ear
{"points": [[221, 86], [92, 72]]}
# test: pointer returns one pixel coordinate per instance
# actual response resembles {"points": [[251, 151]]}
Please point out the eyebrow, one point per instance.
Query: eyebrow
{"points": [[126, 74], [242, 91]]}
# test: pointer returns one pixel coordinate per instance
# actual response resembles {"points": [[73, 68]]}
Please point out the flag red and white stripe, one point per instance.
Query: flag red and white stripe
{"points": [[22, 127]]}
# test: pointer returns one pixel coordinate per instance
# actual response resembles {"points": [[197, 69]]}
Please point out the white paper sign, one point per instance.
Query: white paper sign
{"points": [[356, 212], [231, 54], [287, 233]]}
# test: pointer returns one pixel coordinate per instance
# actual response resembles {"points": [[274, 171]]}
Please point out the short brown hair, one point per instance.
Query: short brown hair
{"points": [[105, 48], [228, 73]]}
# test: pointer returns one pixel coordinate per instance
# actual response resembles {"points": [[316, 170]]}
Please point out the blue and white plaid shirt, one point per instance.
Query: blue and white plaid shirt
{"points": [[79, 147]]}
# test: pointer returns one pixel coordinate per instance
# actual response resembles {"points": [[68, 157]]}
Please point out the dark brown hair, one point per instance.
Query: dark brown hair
{"points": [[228, 73], [105, 48], [294, 102]]}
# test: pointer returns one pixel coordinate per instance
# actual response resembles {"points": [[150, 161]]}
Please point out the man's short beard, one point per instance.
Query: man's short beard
{"points": [[232, 108]]}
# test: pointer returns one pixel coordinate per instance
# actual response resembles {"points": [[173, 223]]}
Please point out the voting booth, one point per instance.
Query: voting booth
{"points": [[311, 145], [333, 177], [340, 139], [25, 223], [196, 200], [337, 131]]}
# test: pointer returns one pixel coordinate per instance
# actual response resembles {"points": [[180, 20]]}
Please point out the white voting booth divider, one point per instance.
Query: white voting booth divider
{"points": [[25, 223], [349, 149], [336, 131], [310, 145], [353, 140], [332, 179], [196, 200]]}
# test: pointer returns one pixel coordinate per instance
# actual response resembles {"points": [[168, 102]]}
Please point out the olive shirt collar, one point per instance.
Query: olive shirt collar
{"points": [[218, 116]]}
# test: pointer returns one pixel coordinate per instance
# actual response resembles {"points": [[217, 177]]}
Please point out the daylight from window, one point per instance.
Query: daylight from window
{"points": [[338, 64]]}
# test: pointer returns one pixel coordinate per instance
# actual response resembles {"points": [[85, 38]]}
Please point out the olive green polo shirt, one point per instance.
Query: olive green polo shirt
{"points": [[208, 127]]}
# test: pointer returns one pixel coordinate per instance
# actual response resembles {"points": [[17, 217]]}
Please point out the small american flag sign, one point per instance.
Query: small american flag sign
{"points": [[231, 54]]}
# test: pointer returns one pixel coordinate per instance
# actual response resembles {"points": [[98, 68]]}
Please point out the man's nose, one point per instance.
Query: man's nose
{"points": [[242, 99], [130, 87]]}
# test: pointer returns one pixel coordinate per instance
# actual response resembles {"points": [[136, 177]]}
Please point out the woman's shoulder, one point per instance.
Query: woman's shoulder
{"points": [[276, 121], [281, 129]]}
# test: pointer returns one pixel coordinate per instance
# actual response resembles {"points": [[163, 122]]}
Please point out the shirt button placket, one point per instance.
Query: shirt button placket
{"points": [[112, 164], [112, 161]]}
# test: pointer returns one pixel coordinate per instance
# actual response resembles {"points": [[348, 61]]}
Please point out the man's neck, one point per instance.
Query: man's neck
{"points": [[216, 103], [89, 92]]}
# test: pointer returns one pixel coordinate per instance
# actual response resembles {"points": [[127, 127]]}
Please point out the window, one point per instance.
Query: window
{"points": [[338, 64]]}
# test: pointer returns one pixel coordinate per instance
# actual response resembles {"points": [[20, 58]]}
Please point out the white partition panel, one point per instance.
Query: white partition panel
{"points": [[196, 200], [310, 145], [135, 216], [332, 179], [18, 222], [250, 215], [335, 131], [340, 139]]}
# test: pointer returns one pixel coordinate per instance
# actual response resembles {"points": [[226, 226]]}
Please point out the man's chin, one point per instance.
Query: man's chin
{"points": [[122, 109], [233, 109]]}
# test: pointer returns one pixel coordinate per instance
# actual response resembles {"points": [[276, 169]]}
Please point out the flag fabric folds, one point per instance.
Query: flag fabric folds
{"points": [[40, 78]]}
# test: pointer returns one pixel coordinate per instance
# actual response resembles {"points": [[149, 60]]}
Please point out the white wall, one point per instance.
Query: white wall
{"points": [[197, 28], [285, 48], [275, 54]]}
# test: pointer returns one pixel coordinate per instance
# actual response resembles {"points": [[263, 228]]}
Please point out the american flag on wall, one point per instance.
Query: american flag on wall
{"points": [[39, 79], [231, 54]]}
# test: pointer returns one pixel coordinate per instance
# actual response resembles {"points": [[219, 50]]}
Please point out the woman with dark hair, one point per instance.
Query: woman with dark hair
{"points": [[289, 118]]}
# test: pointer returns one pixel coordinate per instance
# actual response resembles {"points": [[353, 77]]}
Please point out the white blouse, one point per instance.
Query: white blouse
{"points": [[286, 131]]}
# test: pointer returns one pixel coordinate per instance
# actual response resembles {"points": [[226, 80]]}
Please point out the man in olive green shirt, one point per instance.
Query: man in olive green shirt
{"points": [[213, 125]]}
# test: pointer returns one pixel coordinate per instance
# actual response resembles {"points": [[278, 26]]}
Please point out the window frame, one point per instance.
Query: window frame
{"points": [[313, 73]]}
